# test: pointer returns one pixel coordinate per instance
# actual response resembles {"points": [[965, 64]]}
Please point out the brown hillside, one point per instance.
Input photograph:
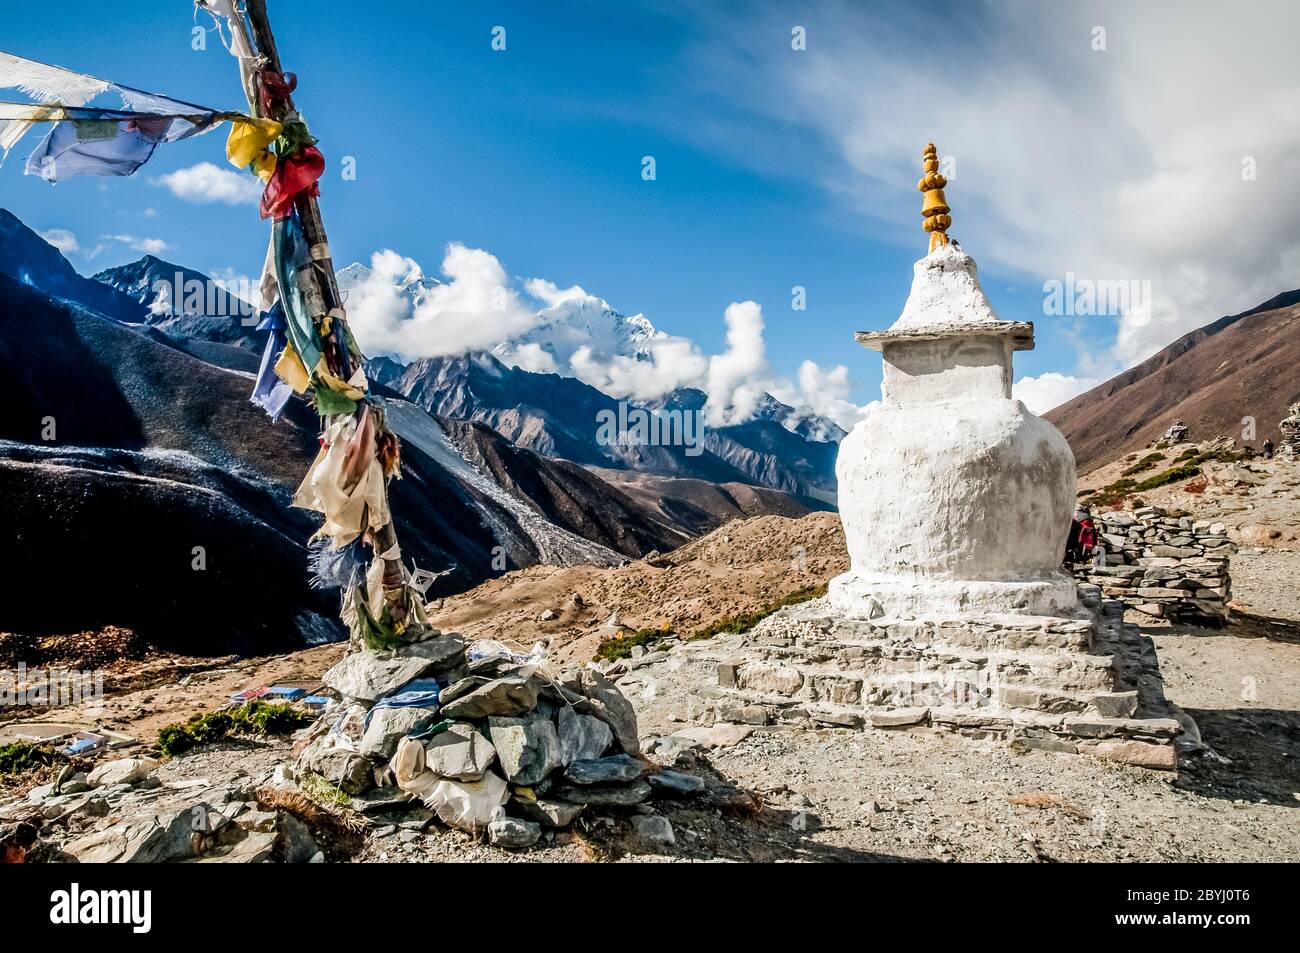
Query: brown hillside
{"points": [[1239, 366]]}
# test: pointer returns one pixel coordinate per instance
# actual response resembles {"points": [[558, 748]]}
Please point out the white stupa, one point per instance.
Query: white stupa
{"points": [[955, 614], [954, 497]]}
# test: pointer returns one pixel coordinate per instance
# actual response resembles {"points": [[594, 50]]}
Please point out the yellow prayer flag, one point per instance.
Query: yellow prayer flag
{"points": [[248, 138], [290, 369], [264, 165]]}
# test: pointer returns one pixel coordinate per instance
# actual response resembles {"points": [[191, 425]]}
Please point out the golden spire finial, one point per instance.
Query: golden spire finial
{"points": [[935, 207]]}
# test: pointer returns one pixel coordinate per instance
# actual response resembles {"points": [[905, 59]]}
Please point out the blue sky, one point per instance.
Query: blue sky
{"points": [[775, 167]]}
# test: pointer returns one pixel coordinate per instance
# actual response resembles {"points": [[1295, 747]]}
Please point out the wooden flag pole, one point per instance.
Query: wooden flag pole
{"points": [[263, 41]]}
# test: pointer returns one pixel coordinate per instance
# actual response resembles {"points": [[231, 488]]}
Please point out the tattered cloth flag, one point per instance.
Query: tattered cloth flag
{"points": [[89, 140]]}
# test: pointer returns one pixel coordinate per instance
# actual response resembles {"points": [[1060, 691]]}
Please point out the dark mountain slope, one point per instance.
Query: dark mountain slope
{"points": [[154, 452], [30, 259], [1239, 366], [193, 306]]}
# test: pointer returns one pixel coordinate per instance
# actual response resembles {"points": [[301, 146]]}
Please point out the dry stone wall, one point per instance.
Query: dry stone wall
{"points": [[1169, 567]]}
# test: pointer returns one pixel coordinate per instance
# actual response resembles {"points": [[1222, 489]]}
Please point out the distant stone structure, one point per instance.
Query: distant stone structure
{"points": [[955, 613], [1289, 430], [1167, 567], [1178, 432]]}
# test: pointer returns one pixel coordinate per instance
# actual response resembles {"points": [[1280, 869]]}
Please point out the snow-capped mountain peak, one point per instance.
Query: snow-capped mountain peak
{"points": [[415, 284], [584, 321]]}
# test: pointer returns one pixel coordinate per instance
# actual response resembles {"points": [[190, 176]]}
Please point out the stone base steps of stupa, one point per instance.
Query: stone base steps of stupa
{"points": [[1083, 686]]}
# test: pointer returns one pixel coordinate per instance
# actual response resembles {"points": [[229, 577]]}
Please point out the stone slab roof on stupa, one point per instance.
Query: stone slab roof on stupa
{"points": [[946, 301]]}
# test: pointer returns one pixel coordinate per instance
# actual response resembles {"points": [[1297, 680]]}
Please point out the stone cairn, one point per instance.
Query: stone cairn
{"points": [[955, 614], [1289, 431], [485, 738], [1177, 433], [1167, 567]]}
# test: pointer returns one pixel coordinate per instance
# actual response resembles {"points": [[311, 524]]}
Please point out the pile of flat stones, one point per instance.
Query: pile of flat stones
{"points": [[1289, 429], [536, 748], [1164, 566]]}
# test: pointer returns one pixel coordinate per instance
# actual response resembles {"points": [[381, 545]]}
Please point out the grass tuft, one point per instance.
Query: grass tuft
{"points": [[20, 756], [1146, 463], [745, 621], [256, 718]]}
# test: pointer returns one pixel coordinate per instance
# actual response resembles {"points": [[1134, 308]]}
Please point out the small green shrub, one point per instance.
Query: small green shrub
{"points": [[747, 620], [1146, 463], [620, 646], [20, 756], [254, 718], [323, 791], [1176, 475]]}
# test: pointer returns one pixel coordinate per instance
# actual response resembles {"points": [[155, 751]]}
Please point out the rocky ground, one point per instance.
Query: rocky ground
{"points": [[1258, 499], [775, 793]]}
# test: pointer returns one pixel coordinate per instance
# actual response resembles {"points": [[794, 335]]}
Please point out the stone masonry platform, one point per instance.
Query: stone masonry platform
{"points": [[1088, 686]]}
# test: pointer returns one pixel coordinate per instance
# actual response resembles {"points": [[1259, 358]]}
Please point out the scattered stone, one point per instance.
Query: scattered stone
{"points": [[548, 615], [257, 820], [253, 849], [714, 736], [548, 813], [654, 828], [41, 792], [671, 746], [512, 833], [75, 784], [154, 840], [345, 769], [295, 842], [122, 771], [676, 783]]}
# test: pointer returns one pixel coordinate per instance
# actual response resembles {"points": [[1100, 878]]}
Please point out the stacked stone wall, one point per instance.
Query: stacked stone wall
{"points": [[1167, 567]]}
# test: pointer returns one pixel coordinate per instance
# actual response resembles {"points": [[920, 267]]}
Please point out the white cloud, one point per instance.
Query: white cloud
{"points": [[1117, 164], [478, 309], [62, 239], [531, 357], [474, 310], [1040, 394], [735, 379], [546, 291], [672, 362], [821, 392], [146, 246], [206, 182]]}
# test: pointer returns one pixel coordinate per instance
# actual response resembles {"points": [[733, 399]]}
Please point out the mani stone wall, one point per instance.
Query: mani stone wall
{"points": [[1168, 567]]}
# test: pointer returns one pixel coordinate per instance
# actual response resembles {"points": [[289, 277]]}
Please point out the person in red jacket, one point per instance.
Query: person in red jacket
{"points": [[1087, 533], [1083, 536]]}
